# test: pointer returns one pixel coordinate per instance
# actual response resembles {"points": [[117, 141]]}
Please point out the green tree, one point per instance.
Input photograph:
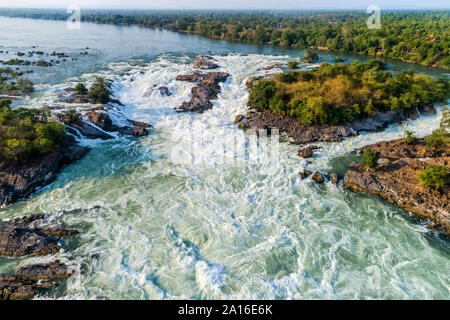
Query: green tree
{"points": [[435, 177], [370, 158], [80, 88], [99, 92]]}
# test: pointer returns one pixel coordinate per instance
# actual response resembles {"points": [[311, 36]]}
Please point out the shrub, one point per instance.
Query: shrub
{"points": [[310, 56], [26, 133], [293, 64], [437, 139], [370, 158], [410, 137], [445, 121], [261, 94], [80, 88], [435, 177], [25, 85], [99, 92]]}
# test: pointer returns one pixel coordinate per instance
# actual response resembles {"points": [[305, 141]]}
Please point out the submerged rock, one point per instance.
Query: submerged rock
{"points": [[204, 62]]}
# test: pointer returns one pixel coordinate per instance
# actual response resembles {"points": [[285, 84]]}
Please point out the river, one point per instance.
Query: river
{"points": [[157, 226]]}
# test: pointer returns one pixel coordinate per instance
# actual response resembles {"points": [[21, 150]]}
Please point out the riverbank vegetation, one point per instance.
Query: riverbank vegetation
{"points": [[26, 134], [334, 94], [10, 81], [415, 36]]}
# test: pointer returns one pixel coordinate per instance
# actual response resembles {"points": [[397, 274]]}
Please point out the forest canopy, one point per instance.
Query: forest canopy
{"points": [[414, 36], [26, 133], [337, 93]]}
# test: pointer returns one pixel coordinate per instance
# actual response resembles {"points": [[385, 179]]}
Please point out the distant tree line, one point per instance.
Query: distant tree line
{"points": [[414, 36]]}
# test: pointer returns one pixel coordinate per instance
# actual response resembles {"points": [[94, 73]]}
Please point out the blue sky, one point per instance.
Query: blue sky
{"points": [[231, 4]]}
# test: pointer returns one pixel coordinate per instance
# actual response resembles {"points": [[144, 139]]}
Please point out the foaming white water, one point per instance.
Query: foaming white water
{"points": [[154, 228]]}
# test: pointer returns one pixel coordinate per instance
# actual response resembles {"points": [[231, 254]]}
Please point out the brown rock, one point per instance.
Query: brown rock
{"points": [[307, 152], [397, 182], [318, 177], [305, 173], [139, 131], [141, 124], [334, 178], [48, 271], [238, 118], [24, 284], [206, 90], [101, 120], [204, 62], [26, 236]]}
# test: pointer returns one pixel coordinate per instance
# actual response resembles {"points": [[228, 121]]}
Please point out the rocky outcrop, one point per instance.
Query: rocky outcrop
{"points": [[139, 131], [238, 118], [88, 131], [396, 179], [161, 90], [206, 90], [101, 120], [32, 280], [19, 181], [379, 121], [30, 236], [204, 62], [302, 134], [140, 124], [296, 130], [79, 128], [273, 66], [204, 78], [318, 177], [305, 173], [307, 152], [138, 128], [334, 178]]}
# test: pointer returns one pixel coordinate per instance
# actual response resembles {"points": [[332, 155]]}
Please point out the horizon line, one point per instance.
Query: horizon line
{"points": [[232, 9]]}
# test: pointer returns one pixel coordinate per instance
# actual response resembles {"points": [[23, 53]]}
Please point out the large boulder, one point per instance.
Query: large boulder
{"points": [[139, 131], [163, 91], [307, 152], [102, 120]]}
